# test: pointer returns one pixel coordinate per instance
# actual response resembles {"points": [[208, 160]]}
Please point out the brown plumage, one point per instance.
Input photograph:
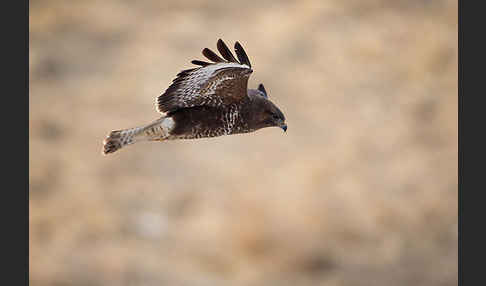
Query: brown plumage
{"points": [[207, 101]]}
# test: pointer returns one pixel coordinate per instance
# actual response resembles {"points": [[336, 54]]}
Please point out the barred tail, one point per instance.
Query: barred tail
{"points": [[119, 138], [157, 130]]}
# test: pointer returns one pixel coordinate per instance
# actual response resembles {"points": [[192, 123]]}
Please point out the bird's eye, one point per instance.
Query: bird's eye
{"points": [[275, 116]]}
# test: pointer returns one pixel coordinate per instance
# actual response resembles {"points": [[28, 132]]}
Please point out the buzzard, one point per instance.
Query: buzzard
{"points": [[208, 101]]}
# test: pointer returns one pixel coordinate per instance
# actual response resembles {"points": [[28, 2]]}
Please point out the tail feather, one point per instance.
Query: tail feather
{"points": [[113, 142], [157, 130], [119, 138]]}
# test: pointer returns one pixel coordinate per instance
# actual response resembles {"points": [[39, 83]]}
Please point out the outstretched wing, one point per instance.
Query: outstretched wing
{"points": [[221, 82]]}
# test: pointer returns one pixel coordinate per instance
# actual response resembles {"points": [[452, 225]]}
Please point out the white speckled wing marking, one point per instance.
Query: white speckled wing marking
{"points": [[212, 85]]}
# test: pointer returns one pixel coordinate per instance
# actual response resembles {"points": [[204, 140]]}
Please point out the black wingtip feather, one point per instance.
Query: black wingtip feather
{"points": [[200, 63], [241, 54], [225, 52], [212, 55]]}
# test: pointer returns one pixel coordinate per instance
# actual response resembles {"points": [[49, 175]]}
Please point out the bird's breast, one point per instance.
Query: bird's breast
{"points": [[200, 122]]}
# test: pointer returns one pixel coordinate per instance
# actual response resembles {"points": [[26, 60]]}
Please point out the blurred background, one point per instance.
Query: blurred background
{"points": [[361, 190]]}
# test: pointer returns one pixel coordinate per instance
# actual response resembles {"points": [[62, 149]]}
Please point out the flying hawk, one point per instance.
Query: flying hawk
{"points": [[208, 101]]}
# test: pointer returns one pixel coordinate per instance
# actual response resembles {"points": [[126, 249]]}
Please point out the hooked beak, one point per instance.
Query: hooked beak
{"points": [[284, 127]]}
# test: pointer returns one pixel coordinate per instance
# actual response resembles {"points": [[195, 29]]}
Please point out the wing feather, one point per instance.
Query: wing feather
{"points": [[211, 84], [226, 52], [212, 55], [200, 63], [241, 54]]}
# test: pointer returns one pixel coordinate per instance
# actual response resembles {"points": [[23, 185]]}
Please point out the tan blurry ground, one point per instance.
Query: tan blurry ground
{"points": [[361, 190]]}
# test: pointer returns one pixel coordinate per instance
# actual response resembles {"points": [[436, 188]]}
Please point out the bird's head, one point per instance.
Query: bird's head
{"points": [[266, 113]]}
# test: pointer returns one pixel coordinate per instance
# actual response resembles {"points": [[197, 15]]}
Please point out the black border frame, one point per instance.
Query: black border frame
{"points": [[15, 85], [470, 142]]}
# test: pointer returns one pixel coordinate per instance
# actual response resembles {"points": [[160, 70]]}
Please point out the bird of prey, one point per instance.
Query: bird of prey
{"points": [[208, 101]]}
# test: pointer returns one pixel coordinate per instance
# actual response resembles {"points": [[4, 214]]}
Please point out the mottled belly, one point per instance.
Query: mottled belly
{"points": [[195, 123]]}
